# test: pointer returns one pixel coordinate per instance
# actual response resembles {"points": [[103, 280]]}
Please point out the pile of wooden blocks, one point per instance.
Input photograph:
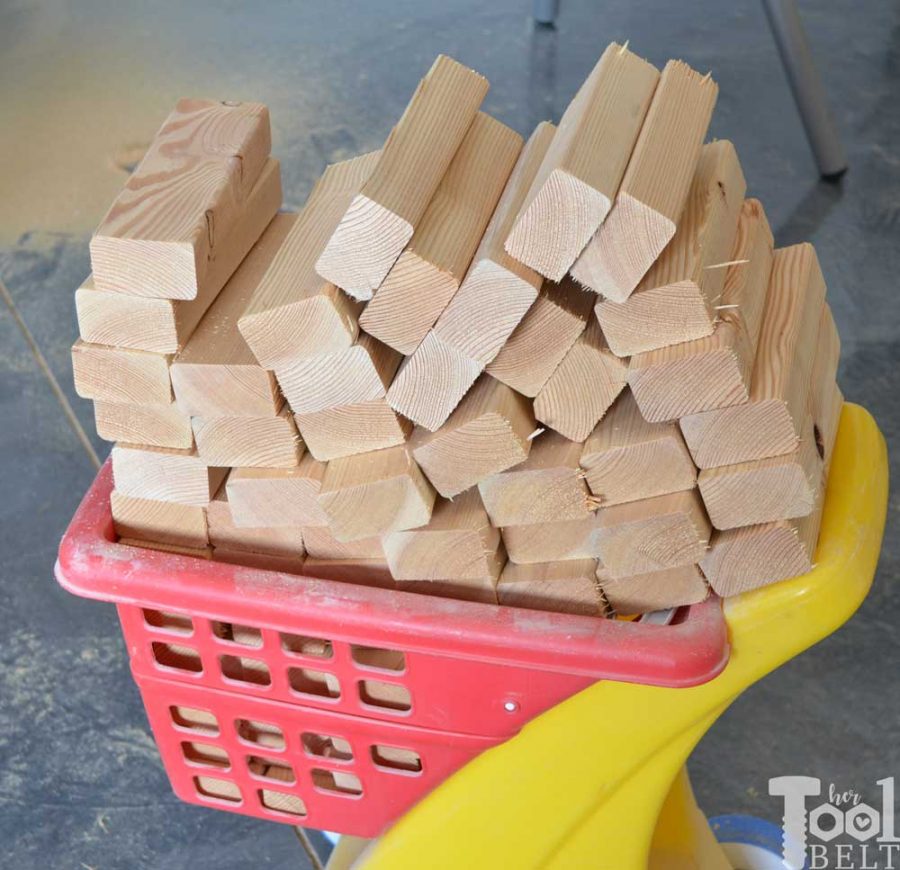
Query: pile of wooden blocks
{"points": [[568, 373]]}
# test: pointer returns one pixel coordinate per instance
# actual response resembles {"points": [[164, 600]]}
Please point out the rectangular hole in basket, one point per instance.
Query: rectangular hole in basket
{"points": [[194, 720], [260, 733], [245, 670], [243, 634], [177, 623], [317, 683], [180, 658], [269, 768], [222, 789], [301, 645], [323, 746], [386, 696], [280, 802], [376, 657], [337, 781], [393, 758], [205, 753]]}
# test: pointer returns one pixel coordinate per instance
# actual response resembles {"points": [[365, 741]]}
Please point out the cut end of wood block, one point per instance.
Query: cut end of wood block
{"points": [[248, 442], [563, 587], [142, 267], [163, 521], [225, 390], [360, 572], [350, 429], [113, 374], [154, 425], [658, 590]]}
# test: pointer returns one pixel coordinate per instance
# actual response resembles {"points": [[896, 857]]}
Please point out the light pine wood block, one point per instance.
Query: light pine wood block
{"points": [[769, 424], [713, 372], [164, 474], [547, 487], [277, 497], [578, 179], [361, 572], [542, 339], [583, 387], [553, 541], [428, 273], [382, 217], [164, 522], [165, 227], [249, 442], [196, 552], [321, 544], [561, 587], [153, 425], [657, 590], [223, 533], [283, 562], [656, 183], [165, 325], [489, 432], [626, 458], [482, 591], [294, 313], [676, 300], [825, 399], [459, 543], [114, 374], [356, 428], [216, 375], [375, 493], [666, 531]]}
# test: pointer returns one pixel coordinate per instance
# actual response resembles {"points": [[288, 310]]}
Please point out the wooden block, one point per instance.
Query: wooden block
{"points": [[361, 373], [115, 374], [489, 432], [769, 424], [362, 572], [284, 562], [653, 192], [657, 590], [583, 387], [543, 338], [248, 442], [676, 300], [294, 313], [166, 225], [375, 493], [824, 405], [547, 487], [154, 425], [196, 552], [666, 531], [626, 458], [224, 534], [382, 217], [163, 474], [321, 544], [277, 497], [713, 372], [459, 543], [578, 179], [480, 591], [165, 325], [428, 273], [553, 541], [216, 375], [164, 522], [562, 587], [349, 429]]}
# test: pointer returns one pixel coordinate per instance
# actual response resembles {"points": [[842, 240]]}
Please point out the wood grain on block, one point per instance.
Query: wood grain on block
{"points": [[657, 590], [165, 522], [196, 552], [825, 399], [382, 217], [553, 541], [676, 300], [626, 458], [360, 373], [459, 542], [583, 387], [355, 428], [285, 562], [578, 179], [277, 496], [294, 313], [541, 340], [428, 273], [165, 228], [165, 325], [653, 192], [489, 432], [116, 374], [216, 374], [482, 590], [321, 544], [164, 474], [561, 587], [715, 371], [375, 493], [362, 572], [153, 425], [547, 487], [248, 442], [666, 531], [225, 534], [769, 423]]}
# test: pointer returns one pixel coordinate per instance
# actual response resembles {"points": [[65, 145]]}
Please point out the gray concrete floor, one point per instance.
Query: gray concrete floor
{"points": [[80, 784]]}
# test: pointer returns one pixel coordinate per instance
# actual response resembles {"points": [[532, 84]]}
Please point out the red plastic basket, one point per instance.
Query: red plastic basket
{"points": [[377, 695]]}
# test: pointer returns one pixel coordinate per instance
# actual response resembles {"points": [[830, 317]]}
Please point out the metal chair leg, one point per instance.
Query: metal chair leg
{"points": [[545, 12]]}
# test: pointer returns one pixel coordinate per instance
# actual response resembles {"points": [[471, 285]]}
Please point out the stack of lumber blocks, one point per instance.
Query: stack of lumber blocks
{"points": [[569, 373]]}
